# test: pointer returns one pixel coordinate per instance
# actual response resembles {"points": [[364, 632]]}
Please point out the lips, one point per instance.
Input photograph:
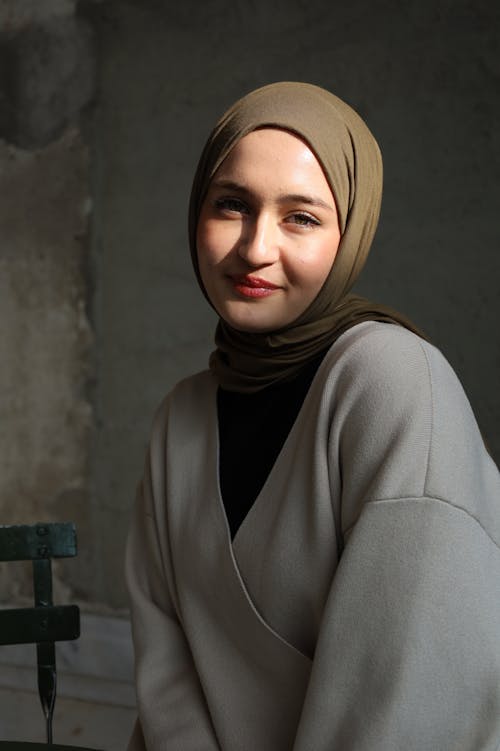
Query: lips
{"points": [[253, 286], [254, 282]]}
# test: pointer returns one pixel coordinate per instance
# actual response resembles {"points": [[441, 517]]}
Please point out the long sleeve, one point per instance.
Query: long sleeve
{"points": [[408, 654], [173, 714]]}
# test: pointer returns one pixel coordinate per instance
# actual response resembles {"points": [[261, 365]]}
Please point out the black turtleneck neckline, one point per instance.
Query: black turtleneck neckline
{"points": [[252, 430]]}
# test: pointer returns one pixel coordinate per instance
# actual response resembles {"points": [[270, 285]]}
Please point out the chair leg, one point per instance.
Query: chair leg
{"points": [[47, 682], [46, 653]]}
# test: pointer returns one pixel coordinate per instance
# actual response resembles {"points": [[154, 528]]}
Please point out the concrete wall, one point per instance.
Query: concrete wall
{"points": [[47, 368], [100, 313], [47, 78]]}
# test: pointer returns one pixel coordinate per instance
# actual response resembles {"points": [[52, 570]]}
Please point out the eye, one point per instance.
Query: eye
{"points": [[303, 219], [231, 205]]}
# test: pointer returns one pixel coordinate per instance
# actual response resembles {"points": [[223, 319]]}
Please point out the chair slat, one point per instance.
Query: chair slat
{"points": [[24, 542], [31, 625], [42, 582]]}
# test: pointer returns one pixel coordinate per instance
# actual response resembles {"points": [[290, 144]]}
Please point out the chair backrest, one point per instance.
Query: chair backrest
{"points": [[45, 623]]}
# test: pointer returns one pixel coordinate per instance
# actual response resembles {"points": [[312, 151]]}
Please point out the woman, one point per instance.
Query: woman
{"points": [[313, 563]]}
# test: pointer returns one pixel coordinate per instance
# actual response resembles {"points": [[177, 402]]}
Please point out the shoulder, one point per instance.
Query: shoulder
{"points": [[380, 361], [403, 420], [386, 353], [375, 362]]}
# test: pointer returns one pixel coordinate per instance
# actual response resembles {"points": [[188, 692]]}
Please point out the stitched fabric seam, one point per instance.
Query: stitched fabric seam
{"points": [[404, 499]]}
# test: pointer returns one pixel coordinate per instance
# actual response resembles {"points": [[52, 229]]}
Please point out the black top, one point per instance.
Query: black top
{"points": [[252, 431]]}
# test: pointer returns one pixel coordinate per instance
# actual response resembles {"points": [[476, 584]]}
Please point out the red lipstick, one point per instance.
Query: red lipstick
{"points": [[253, 286]]}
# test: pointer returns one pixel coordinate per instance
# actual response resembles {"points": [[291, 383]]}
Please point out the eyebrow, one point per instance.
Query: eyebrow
{"points": [[310, 200]]}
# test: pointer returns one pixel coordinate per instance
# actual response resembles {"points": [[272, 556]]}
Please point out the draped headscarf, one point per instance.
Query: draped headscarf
{"points": [[352, 164]]}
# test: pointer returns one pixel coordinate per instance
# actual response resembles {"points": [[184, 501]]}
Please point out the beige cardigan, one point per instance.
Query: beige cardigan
{"points": [[358, 607]]}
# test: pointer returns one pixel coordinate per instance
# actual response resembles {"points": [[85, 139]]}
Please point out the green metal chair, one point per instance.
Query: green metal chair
{"points": [[45, 623]]}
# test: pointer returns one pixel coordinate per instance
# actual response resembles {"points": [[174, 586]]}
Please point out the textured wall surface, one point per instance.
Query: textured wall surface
{"points": [[47, 78], [91, 343]]}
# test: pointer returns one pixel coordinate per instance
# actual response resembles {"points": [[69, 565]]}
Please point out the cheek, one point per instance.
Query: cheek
{"points": [[218, 250], [211, 241], [201, 252], [201, 240], [328, 254], [313, 266]]}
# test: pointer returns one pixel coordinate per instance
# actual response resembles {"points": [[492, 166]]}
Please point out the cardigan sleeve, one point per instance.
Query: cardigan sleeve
{"points": [[408, 653], [171, 705]]}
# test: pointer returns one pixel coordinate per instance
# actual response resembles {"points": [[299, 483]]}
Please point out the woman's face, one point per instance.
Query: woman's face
{"points": [[268, 232]]}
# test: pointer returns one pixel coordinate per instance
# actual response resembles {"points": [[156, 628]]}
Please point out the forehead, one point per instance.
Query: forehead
{"points": [[282, 145], [273, 155]]}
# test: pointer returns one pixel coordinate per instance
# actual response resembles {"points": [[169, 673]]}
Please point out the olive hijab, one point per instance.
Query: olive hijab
{"points": [[352, 164]]}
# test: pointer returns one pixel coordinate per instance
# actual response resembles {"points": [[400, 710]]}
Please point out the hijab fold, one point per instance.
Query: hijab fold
{"points": [[352, 164]]}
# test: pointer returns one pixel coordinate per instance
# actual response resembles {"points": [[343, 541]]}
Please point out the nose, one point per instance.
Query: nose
{"points": [[259, 245]]}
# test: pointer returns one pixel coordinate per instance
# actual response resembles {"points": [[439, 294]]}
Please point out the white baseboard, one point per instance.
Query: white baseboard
{"points": [[97, 667]]}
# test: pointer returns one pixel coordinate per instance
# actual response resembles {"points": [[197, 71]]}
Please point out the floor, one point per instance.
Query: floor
{"points": [[76, 722]]}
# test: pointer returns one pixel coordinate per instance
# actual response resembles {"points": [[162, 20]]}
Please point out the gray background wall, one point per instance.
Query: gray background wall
{"points": [[100, 313]]}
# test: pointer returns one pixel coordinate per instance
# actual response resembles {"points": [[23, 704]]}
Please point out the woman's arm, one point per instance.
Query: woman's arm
{"points": [[172, 710], [408, 655]]}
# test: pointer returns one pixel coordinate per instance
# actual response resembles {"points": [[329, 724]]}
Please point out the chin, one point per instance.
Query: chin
{"points": [[250, 327], [254, 317], [247, 328]]}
